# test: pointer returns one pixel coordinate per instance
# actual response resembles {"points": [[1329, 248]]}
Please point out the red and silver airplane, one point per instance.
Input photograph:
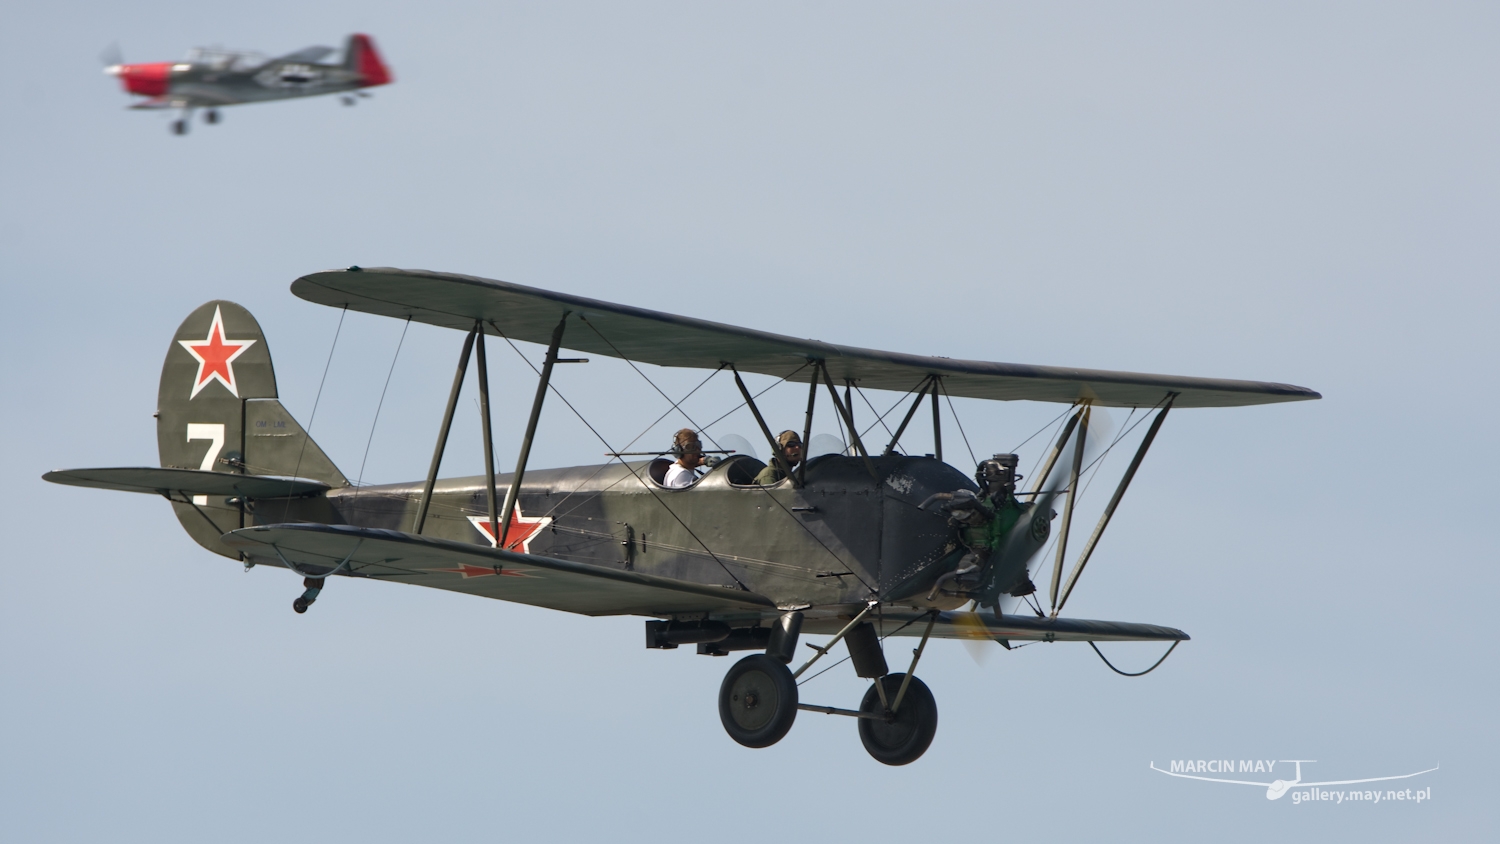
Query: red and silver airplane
{"points": [[211, 78]]}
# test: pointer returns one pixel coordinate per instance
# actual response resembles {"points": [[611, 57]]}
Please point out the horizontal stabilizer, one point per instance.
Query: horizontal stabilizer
{"points": [[978, 626], [187, 482], [487, 572]]}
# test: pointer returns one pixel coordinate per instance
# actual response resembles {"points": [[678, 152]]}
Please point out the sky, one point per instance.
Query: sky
{"points": [[1291, 192]]}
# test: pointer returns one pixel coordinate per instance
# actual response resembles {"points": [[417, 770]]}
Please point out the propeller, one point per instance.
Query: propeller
{"points": [[112, 58], [1020, 554], [978, 634]]}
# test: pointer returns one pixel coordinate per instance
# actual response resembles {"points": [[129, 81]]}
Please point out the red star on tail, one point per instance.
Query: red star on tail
{"points": [[215, 356]]}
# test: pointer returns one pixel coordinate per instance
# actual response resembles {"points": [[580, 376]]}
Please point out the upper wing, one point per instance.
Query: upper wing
{"points": [[527, 313], [488, 572], [973, 625], [186, 482], [307, 54]]}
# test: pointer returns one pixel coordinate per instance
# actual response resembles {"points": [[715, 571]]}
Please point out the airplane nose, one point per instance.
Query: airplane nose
{"points": [[149, 80]]}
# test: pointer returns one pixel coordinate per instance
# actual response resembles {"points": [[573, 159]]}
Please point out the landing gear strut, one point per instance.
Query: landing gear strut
{"points": [[898, 716]]}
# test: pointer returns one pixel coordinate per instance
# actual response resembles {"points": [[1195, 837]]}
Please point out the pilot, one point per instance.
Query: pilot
{"points": [[791, 446], [689, 451]]}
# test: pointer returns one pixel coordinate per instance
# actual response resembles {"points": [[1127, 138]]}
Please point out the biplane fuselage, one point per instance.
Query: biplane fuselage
{"points": [[838, 539]]}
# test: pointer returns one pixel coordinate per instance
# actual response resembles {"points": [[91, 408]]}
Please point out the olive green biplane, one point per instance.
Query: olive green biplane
{"points": [[858, 544]]}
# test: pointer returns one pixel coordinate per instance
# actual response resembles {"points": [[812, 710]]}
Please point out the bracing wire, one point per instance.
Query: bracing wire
{"points": [[704, 432], [380, 404], [880, 419], [960, 424], [1137, 673], [1035, 467], [307, 432], [627, 466], [846, 659], [1054, 421], [773, 386], [637, 439], [675, 405]]}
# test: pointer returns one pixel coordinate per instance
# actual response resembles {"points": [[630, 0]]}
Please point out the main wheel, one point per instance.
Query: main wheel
{"points": [[758, 701], [901, 738], [211, 116], [179, 127]]}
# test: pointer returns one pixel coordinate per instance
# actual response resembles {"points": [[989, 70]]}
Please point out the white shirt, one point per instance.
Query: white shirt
{"points": [[679, 476]]}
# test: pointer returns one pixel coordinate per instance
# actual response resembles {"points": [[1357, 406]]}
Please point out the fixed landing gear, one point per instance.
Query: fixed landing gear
{"points": [[211, 116], [348, 100], [900, 737], [758, 701], [180, 127]]}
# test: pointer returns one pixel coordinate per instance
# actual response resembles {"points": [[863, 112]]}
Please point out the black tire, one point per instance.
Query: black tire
{"points": [[211, 116], [901, 739], [179, 127], [758, 701]]}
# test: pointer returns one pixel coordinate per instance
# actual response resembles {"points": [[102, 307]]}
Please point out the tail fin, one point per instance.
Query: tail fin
{"points": [[217, 411], [360, 57]]}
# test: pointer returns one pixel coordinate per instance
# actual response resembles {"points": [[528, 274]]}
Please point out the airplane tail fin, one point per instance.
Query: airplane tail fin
{"points": [[217, 411], [360, 57]]}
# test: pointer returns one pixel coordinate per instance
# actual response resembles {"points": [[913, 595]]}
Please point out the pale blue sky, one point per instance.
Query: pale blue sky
{"points": [[1280, 191]]}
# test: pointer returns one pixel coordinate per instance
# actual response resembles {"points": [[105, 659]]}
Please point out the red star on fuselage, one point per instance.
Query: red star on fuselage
{"points": [[215, 356], [522, 530], [467, 571]]}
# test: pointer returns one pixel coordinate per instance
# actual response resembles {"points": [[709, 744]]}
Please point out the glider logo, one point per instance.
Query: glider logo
{"points": [[1300, 791], [215, 356], [522, 530]]}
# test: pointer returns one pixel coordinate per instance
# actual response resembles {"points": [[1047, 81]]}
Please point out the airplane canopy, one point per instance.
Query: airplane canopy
{"points": [[604, 328]]}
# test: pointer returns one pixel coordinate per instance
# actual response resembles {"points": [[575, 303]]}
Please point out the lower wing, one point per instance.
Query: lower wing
{"points": [[316, 549]]}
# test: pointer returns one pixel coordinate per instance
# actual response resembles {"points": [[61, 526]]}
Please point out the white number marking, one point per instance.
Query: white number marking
{"points": [[206, 431]]}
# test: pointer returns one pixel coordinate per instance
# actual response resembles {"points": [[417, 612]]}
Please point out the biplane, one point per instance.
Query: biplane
{"points": [[210, 78], [856, 545]]}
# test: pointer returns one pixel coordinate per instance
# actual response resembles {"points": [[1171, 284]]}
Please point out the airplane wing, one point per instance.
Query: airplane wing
{"points": [[487, 572], [310, 55], [159, 481], [157, 103], [978, 626], [603, 328]]}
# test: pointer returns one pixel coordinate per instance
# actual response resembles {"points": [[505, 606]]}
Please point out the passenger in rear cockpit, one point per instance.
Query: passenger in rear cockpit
{"points": [[791, 446], [689, 452]]}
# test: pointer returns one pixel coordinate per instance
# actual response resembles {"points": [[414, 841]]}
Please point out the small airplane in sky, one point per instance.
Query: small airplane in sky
{"points": [[210, 78]]}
